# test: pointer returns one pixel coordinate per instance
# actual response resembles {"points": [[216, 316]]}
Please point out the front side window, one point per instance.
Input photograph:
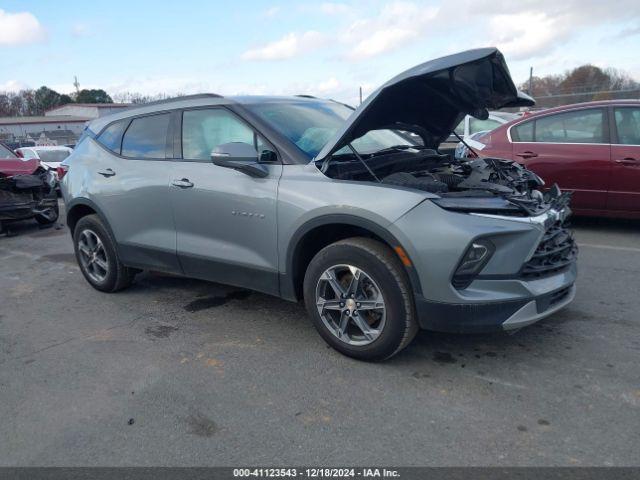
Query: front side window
{"points": [[204, 130], [628, 125], [581, 126], [146, 137], [111, 137], [28, 154]]}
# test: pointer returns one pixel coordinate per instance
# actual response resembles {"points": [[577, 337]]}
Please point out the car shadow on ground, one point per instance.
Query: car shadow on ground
{"points": [[547, 338]]}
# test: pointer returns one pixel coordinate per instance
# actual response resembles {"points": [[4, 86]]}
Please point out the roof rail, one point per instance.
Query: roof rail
{"points": [[305, 96], [177, 99]]}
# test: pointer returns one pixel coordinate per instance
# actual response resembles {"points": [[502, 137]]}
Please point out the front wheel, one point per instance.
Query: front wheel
{"points": [[358, 296]]}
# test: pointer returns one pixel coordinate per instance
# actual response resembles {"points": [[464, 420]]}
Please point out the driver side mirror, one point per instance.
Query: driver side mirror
{"points": [[239, 156]]}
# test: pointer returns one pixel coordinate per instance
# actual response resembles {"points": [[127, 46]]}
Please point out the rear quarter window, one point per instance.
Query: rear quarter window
{"points": [[111, 137]]}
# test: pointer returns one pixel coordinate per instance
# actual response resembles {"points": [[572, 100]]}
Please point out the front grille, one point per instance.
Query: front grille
{"points": [[556, 251]]}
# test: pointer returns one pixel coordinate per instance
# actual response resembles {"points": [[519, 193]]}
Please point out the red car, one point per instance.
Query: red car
{"points": [[26, 191], [592, 149]]}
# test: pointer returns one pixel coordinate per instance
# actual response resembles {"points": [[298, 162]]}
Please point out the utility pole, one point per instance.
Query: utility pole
{"points": [[360, 95], [531, 81]]}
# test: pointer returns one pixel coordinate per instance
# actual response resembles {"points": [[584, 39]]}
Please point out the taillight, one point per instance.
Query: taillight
{"points": [[62, 170]]}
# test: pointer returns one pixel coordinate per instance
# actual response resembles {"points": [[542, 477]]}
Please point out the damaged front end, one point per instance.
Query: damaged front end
{"points": [[484, 185], [24, 196]]}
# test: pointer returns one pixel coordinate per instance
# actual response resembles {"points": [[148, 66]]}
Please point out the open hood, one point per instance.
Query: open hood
{"points": [[430, 99]]}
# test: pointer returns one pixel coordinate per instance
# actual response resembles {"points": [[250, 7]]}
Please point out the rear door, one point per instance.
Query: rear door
{"points": [[571, 149], [624, 193], [225, 219], [130, 183]]}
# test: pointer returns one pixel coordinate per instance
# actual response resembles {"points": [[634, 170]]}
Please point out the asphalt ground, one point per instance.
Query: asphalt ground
{"points": [[183, 373]]}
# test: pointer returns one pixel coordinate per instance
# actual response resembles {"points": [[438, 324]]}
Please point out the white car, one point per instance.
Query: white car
{"points": [[471, 128], [50, 157]]}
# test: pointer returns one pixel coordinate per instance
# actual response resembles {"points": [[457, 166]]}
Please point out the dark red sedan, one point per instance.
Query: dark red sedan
{"points": [[592, 149]]}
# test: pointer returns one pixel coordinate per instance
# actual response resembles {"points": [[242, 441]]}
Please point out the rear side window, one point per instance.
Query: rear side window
{"points": [[522, 132], [581, 126], [146, 137], [111, 137], [628, 125]]}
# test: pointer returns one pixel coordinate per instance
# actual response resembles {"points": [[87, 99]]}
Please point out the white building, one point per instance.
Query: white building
{"points": [[61, 130], [59, 126], [88, 110]]}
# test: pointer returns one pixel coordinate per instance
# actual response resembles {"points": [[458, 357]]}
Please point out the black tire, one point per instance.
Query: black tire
{"points": [[385, 269], [50, 219], [118, 276]]}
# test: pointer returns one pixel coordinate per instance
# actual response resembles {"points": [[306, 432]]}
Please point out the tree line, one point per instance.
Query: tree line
{"points": [[582, 84], [35, 102]]}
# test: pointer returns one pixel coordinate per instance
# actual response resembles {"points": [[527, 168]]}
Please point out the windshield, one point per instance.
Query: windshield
{"points": [[5, 152], [310, 125], [53, 156]]}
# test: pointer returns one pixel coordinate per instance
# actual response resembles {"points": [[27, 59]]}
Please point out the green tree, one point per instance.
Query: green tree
{"points": [[46, 99], [93, 96]]}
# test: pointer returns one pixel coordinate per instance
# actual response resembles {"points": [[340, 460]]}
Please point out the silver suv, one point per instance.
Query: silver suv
{"points": [[353, 211]]}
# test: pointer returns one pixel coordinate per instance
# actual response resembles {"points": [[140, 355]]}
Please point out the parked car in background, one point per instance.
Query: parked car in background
{"points": [[27, 190], [471, 125], [50, 157], [591, 149], [306, 199]]}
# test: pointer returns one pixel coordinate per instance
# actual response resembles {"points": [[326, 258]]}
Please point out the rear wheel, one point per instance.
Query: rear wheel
{"points": [[97, 257], [358, 296]]}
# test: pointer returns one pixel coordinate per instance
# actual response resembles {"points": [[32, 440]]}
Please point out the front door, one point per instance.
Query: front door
{"points": [[571, 149], [624, 193], [225, 220]]}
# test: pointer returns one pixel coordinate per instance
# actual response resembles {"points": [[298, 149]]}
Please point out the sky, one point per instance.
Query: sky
{"points": [[327, 49]]}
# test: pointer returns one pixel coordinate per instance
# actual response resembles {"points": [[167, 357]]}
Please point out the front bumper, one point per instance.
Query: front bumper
{"points": [[504, 296], [490, 317]]}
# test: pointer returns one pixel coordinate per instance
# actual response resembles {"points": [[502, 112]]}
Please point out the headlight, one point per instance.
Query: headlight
{"points": [[473, 261]]}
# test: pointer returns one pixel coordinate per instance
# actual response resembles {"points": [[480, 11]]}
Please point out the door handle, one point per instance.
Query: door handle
{"points": [[527, 154], [182, 183], [107, 172], [628, 161]]}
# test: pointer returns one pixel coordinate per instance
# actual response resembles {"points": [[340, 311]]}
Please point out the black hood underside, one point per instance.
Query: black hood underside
{"points": [[430, 99]]}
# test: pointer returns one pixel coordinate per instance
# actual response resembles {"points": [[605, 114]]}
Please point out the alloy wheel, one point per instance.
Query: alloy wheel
{"points": [[93, 256], [350, 304]]}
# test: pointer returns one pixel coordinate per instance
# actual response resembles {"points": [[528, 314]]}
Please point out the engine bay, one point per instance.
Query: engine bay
{"points": [[441, 174]]}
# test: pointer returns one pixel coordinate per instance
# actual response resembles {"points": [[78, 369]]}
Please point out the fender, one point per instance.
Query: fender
{"points": [[89, 203], [287, 287]]}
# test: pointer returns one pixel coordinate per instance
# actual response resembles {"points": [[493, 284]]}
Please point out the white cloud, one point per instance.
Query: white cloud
{"points": [[289, 46], [20, 29], [524, 35], [13, 86], [395, 25]]}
